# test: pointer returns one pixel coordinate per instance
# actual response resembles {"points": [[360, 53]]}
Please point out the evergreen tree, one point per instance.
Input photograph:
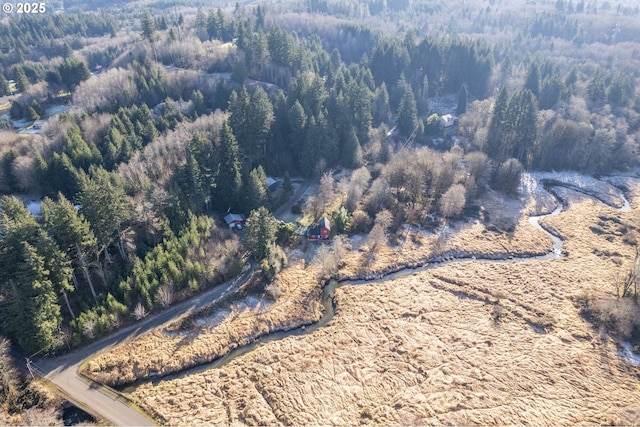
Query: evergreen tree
{"points": [[215, 24], [4, 86], [310, 150], [620, 91], [239, 116], [359, 100], [407, 112], [260, 118], [522, 118], [73, 71], [550, 93], [297, 129], [259, 17], [82, 155], [496, 144], [280, 46], [10, 180], [199, 105], [200, 172], [596, 88], [381, 108], [257, 190], [351, 154], [30, 265], [32, 315], [148, 27], [61, 175], [106, 207], [462, 100], [261, 232], [22, 83], [533, 78], [229, 179], [73, 235]]}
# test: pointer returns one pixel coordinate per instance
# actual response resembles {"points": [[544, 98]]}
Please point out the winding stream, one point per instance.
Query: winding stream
{"points": [[328, 301]]}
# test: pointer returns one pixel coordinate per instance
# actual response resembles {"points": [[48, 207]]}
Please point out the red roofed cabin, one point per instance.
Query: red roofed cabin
{"points": [[321, 233]]}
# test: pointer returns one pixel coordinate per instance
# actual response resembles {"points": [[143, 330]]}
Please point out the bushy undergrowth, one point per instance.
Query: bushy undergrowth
{"points": [[20, 396], [619, 317]]}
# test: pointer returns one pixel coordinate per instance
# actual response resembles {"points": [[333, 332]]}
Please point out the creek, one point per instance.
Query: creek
{"points": [[329, 303]]}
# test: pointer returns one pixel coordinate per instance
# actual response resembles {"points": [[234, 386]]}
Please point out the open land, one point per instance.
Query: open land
{"points": [[465, 343]]}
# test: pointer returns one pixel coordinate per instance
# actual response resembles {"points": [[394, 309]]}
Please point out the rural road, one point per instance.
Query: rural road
{"points": [[63, 370]]}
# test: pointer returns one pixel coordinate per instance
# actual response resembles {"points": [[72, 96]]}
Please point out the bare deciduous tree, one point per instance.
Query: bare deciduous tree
{"points": [[113, 87], [452, 202], [341, 247], [385, 219], [627, 284], [165, 295], [358, 184], [326, 192], [376, 237], [89, 329], [274, 290], [326, 260], [139, 312]]}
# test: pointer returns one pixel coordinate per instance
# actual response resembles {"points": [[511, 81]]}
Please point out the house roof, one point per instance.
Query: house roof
{"points": [[231, 218], [324, 223]]}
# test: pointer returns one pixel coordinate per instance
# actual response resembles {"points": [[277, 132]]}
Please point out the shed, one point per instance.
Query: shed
{"points": [[234, 220]]}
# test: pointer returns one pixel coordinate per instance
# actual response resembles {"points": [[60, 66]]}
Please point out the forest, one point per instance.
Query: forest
{"points": [[174, 115]]}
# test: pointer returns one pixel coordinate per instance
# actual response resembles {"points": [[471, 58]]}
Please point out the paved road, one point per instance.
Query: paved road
{"points": [[63, 370]]}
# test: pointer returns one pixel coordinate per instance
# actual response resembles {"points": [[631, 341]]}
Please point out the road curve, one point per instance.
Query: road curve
{"points": [[63, 370]]}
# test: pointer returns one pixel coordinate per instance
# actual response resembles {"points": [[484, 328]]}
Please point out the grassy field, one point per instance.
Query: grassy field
{"points": [[428, 349], [465, 343], [206, 336], [471, 343], [293, 300]]}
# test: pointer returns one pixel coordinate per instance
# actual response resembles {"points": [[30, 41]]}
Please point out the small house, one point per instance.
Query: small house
{"points": [[234, 220], [447, 120], [320, 233]]}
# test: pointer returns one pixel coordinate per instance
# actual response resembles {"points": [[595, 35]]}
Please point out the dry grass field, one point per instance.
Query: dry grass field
{"points": [[212, 333], [466, 343], [451, 346], [206, 336]]}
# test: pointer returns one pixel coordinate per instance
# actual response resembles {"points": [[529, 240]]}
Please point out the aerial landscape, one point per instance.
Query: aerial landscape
{"points": [[323, 212]]}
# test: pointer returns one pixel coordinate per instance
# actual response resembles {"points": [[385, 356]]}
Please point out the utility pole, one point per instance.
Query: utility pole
{"points": [[30, 368]]}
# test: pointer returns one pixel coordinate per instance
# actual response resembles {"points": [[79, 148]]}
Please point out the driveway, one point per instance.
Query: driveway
{"points": [[63, 370], [283, 213]]}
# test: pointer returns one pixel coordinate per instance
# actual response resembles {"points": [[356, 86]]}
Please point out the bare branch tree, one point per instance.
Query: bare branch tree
{"points": [[139, 312], [164, 296], [326, 192]]}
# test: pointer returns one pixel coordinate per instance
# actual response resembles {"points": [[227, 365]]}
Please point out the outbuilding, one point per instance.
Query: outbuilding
{"points": [[234, 220], [447, 120]]}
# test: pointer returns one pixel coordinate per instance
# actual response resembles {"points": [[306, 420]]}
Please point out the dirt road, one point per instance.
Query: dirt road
{"points": [[283, 212], [63, 370]]}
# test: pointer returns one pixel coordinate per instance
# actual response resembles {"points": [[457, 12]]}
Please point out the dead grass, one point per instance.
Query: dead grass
{"points": [[466, 239], [419, 350], [212, 333], [430, 349]]}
